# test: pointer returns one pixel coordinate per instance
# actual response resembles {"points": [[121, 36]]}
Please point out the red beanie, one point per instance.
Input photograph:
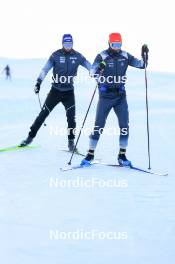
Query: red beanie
{"points": [[115, 37]]}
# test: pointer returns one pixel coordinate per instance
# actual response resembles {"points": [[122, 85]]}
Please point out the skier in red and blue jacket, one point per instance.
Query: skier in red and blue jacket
{"points": [[109, 69]]}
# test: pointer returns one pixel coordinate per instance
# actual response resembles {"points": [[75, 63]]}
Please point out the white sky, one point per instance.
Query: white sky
{"points": [[34, 28]]}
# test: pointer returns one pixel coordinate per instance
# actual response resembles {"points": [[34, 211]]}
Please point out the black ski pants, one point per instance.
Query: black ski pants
{"points": [[54, 97]]}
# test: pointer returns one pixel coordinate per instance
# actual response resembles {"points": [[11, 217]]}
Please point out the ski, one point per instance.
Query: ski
{"points": [[70, 167], [13, 148], [76, 152], [135, 168]]}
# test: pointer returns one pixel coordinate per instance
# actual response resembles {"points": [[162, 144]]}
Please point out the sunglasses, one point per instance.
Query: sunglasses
{"points": [[68, 45], [116, 45]]}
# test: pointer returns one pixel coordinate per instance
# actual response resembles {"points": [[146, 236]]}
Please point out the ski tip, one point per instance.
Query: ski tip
{"points": [[165, 174], [17, 147]]}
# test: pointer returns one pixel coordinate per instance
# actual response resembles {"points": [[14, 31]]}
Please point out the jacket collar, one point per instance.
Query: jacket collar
{"points": [[71, 52], [113, 53]]}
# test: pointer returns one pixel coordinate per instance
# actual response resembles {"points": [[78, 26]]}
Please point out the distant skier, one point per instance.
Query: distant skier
{"points": [[109, 68], [65, 63], [7, 72]]}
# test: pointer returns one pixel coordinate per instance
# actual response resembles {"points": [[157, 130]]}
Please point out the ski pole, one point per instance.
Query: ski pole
{"points": [[40, 105], [147, 113], [69, 163]]}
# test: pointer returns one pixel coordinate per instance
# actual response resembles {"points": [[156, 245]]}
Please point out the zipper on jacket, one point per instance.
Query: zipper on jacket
{"points": [[66, 73]]}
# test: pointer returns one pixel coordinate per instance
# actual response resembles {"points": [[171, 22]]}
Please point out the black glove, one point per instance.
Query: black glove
{"points": [[102, 65], [144, 53], [37, 87]]}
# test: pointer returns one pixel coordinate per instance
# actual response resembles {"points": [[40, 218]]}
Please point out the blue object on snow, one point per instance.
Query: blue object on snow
{"points": [[85, 163], [124, 163]]}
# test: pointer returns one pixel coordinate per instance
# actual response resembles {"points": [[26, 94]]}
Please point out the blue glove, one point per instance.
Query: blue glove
{"points": [[103, 88]]}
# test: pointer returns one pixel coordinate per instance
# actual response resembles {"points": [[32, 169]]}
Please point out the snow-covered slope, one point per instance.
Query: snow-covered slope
{"points": [[141, 206]]}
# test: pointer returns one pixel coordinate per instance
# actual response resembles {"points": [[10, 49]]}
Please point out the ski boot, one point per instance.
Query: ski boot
{"points": [[71, 146], [122, 160], [88, 159], [26, 142]]}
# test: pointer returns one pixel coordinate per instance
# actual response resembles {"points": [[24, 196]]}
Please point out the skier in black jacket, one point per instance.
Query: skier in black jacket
{"points": [[65, 63], [7, 72]]}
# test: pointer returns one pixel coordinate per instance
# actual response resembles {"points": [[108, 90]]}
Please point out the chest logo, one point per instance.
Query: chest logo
{"points": [[111, 64], [62, 59]]}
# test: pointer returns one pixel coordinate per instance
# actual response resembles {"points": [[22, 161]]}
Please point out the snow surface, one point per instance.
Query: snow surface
{"points": [[30, 207]]}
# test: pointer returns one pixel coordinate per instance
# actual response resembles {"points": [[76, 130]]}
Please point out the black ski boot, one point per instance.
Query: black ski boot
{"points": [[71, 145], [122, 160], [88, 159], [26, 142]]}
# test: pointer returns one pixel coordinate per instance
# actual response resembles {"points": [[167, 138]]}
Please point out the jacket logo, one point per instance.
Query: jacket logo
{"points": [[62, 59], [111, 64]]}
